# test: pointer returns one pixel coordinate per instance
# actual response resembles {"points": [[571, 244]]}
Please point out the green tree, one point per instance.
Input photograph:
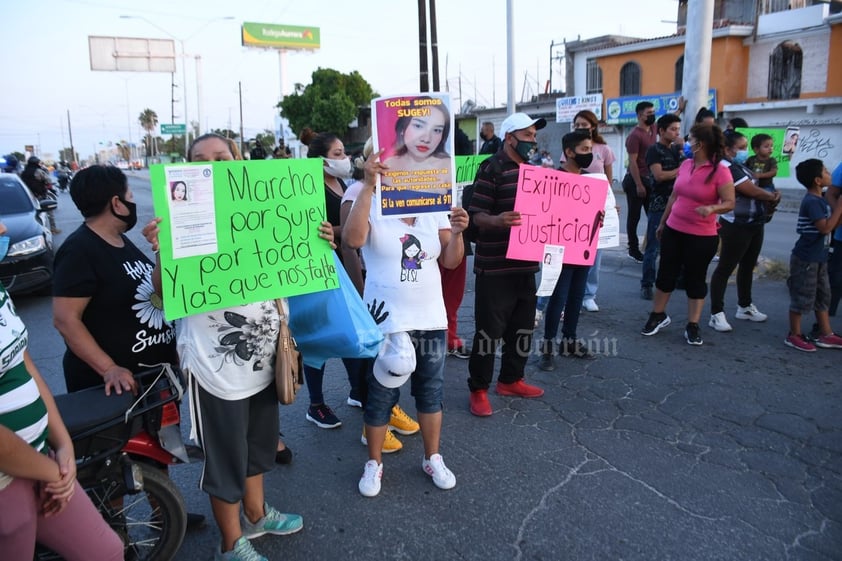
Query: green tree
{"points": [[227, 133], [148, 119], [329, 103], [266, 139]]}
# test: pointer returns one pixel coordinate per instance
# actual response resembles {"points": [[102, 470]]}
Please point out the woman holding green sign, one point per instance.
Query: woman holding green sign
{"points": [[229, 355]]}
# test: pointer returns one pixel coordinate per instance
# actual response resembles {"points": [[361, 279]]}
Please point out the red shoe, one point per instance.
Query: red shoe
{"points": [[519, 389], [479, 403]]}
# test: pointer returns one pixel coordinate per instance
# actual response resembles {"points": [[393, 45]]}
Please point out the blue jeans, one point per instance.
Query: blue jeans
{"points": [[568, 295], [592, 283], [426, 382], [650, 256]]}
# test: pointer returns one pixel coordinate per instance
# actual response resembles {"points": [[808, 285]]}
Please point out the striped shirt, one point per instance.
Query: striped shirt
{"points": [[495, 187], [21, 408], [811, 245]]}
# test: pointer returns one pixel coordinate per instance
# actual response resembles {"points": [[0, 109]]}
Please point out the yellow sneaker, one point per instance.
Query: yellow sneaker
{"points": [[391, 444], [403, 423]]}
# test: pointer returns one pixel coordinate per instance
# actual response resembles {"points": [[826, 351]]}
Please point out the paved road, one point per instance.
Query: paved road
{"points": [[656, 450]]}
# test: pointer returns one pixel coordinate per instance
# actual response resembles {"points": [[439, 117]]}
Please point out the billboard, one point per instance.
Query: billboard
{"points": [[273, 36], [131, 54]]}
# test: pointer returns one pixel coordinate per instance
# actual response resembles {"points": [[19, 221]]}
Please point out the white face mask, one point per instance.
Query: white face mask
{"points": [[338, 168]]}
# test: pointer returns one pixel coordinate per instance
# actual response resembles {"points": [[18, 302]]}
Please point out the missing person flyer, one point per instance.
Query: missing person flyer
{"points": [[416, 132]]}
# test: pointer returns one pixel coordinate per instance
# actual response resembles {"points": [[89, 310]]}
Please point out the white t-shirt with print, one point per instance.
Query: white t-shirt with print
{"points": [[403, 272], [231, 352]]}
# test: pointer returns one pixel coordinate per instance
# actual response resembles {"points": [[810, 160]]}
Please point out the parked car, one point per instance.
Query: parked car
{"points": [[28, 265]]}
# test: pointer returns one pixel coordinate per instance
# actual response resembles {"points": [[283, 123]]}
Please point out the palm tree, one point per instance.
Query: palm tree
{"points": [[148, 119]]}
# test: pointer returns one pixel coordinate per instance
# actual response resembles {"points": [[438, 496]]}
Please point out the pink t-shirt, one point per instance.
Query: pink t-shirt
{"points": [[691, 191]]}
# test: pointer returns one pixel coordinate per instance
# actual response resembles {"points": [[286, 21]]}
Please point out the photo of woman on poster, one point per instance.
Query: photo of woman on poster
{"points": [[416, 134], [178, 191], [421, 142]]}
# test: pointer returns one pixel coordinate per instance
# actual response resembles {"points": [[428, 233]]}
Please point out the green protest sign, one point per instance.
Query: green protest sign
{"points": [[466, 171], [237, 232], [777, 152]]}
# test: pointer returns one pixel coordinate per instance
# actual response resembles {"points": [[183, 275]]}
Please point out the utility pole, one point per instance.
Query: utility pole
{"points": [[172, 97], [697, 47], [242, 147], [552, 44], [422, 46], [435, 46], [510, 57], [70, 133]]}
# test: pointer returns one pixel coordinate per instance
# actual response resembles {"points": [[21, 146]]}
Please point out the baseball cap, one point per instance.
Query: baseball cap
{"points": [[519, 121], [395, 361]]}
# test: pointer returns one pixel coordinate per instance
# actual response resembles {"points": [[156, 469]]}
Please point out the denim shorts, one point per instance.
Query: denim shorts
{"points": [[426, 382]]}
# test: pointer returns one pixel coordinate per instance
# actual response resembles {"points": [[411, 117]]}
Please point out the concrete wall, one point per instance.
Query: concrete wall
{"points": [[820, 135]]}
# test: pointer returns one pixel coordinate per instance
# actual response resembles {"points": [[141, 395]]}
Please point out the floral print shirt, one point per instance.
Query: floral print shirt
{"points": [[231, 352]]}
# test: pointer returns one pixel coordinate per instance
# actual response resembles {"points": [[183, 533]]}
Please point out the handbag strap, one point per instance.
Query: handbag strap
{"points": [[283, 308]]}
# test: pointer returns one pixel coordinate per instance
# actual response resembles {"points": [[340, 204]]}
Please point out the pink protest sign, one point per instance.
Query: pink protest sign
{"points": [[557, 208]]}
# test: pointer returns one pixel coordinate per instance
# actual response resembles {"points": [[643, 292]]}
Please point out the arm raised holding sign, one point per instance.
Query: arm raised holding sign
{"points": [[230, 355], [403, 290]]}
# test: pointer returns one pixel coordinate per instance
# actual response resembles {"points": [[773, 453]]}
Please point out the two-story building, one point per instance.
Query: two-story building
{"points": [[772, 63]]}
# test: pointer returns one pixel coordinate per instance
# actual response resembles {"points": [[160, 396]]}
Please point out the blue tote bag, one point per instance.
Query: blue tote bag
{"points": [[333, 324]]}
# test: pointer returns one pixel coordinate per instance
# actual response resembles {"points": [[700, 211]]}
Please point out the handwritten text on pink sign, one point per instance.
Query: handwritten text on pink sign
{"points": [[557, 208]]}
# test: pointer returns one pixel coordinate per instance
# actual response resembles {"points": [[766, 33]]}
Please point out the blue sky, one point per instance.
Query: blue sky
{"points": [[48, 72]]}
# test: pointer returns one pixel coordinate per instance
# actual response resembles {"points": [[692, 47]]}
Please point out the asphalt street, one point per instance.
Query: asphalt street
{"points": [[656, 450]]}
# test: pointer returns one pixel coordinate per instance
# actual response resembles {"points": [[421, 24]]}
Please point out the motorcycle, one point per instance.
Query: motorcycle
{"points": [[64, 176], [123, 444]]}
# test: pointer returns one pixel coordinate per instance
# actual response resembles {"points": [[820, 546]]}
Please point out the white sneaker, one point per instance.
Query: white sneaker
{"points": [[718, 322], [590, 305], [353, 402], [435, 468], [750, 313], [370, 481]]}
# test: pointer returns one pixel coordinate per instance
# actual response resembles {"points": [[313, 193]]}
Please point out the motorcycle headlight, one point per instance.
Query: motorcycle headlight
{"points": [[25, 247]]}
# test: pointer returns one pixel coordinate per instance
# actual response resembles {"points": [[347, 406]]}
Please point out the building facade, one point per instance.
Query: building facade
{"points": [[772, 63]]}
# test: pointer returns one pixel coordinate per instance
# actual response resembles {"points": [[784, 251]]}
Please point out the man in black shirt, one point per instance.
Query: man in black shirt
{"points": [[492, 143], [662, 159]]}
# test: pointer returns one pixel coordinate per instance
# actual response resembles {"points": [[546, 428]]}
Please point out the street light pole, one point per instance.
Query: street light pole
{"points": [[184, 79]]}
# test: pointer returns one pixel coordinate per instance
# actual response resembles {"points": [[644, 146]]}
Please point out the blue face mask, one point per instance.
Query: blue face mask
{"points": [[741, 156], [4, 246], [688, 152]]}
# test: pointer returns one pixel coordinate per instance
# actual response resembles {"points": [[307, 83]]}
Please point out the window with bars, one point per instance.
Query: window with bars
{"points": [[773, 6], [785, 71], [594, 78], [630, 79]]}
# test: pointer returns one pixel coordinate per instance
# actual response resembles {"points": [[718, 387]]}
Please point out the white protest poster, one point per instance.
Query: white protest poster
{"points": [[609, 234], [550, 269]]}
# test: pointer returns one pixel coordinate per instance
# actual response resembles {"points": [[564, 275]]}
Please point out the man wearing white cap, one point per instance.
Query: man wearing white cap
{"points": [[505, 288]]}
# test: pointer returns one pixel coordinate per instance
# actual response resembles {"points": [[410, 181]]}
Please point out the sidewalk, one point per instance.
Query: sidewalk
{"points": [[656, 450]]}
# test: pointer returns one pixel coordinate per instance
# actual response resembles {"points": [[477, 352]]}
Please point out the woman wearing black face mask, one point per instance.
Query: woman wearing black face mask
{"points": [[570, 288], [103, 300]]}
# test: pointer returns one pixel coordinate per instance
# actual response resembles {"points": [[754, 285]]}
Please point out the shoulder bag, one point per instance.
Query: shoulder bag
{"points": [[289, 365]]}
